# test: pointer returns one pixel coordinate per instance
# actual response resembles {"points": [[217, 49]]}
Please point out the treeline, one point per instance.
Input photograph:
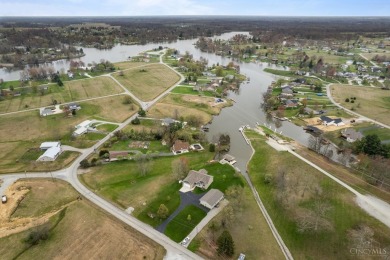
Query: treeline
{"points": [[52, 31]]}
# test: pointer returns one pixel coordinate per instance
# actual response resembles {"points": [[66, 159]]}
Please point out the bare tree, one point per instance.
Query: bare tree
{"points": [[144, 164], [316, 219], [180, 168]]}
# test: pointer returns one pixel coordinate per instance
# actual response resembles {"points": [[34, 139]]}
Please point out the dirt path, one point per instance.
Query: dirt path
{"points": [[10, 225]]}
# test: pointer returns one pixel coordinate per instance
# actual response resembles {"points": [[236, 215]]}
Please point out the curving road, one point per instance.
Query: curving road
{"points": [[363, 118], [69, 174]]}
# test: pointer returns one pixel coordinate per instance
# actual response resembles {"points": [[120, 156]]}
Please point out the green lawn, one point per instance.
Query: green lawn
{"points": [[285, 73], [121, 183], [107, 127], [180, 226], [297, 196], [189, 91]]}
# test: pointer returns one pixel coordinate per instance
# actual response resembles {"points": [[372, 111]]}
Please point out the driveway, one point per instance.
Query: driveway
{"points": [[186, 199]]}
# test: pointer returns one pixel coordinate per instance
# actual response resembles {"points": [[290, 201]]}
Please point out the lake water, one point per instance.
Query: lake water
{"points": [[246, 110]]}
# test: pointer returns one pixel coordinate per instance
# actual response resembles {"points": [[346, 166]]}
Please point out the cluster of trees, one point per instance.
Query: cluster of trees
{"points": [[372, 146]]}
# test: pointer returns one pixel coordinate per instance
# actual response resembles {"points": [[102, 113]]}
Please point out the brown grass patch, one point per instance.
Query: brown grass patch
{"points": [[248, 227], [90, 88], [148, 82], [162, 110], [371, 102], [85, 232], [129, 64], [112, 108]]}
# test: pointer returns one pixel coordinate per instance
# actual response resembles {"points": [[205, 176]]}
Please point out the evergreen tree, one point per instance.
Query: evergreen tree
{"points": [[225, 244]]}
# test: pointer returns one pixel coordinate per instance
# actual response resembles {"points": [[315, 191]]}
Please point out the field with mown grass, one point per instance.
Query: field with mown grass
{"points": [[371, 102], [149, 81], [71, 91], [315, 216]]}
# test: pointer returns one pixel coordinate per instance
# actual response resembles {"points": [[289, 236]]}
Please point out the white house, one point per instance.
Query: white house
{"points": [[82, 127], [211, 198], [327, 121], [52, 150], [48, 145]]}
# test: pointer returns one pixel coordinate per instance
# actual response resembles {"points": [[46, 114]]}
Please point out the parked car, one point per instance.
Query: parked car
{"points": [[4, 199], [185, 241]]}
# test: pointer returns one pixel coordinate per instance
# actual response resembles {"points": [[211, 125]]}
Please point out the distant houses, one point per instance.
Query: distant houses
{"points": [[52, 151]]}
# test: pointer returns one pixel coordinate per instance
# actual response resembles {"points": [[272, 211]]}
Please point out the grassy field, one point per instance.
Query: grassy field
{"points": [[188, 90], [371, 102], [291, 191], [90, 88], [180, 226], [148, 82], [43, 196], [121, 183], [187, 105], [72, 91], [124, 65], [78, 231], [285, 73], [249, 230], [18, 158], [26, 130]]}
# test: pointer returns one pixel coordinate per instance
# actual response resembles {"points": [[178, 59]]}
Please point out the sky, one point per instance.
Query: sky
{"points": [[194, 7]]}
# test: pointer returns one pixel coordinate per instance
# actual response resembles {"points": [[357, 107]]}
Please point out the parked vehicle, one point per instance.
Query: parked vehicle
{"points": [[185, 241], [4, 199]]}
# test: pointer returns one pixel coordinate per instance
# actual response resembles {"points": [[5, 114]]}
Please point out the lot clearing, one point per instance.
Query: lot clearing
{"points": [[149, 81], [187, 105], [90, 88], [314, 121], [72, 91], [75, 229], [371, 102], [124, 65]]}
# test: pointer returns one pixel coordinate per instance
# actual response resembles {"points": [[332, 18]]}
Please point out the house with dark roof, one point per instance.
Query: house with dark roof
{"points": [[327, 121], [211, 198], [180, 147], [351, 135]]}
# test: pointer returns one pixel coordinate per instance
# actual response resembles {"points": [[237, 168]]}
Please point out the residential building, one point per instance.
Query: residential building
{"points": [[52, 151], [211, 198], [227, 158], [198, 179], [351, 135], [180, 147], [48, 145], [327, 121], [82, 128]]}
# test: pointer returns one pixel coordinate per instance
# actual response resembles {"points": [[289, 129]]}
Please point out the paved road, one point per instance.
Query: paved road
{"points": [[69, 174], [364, 118]]}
